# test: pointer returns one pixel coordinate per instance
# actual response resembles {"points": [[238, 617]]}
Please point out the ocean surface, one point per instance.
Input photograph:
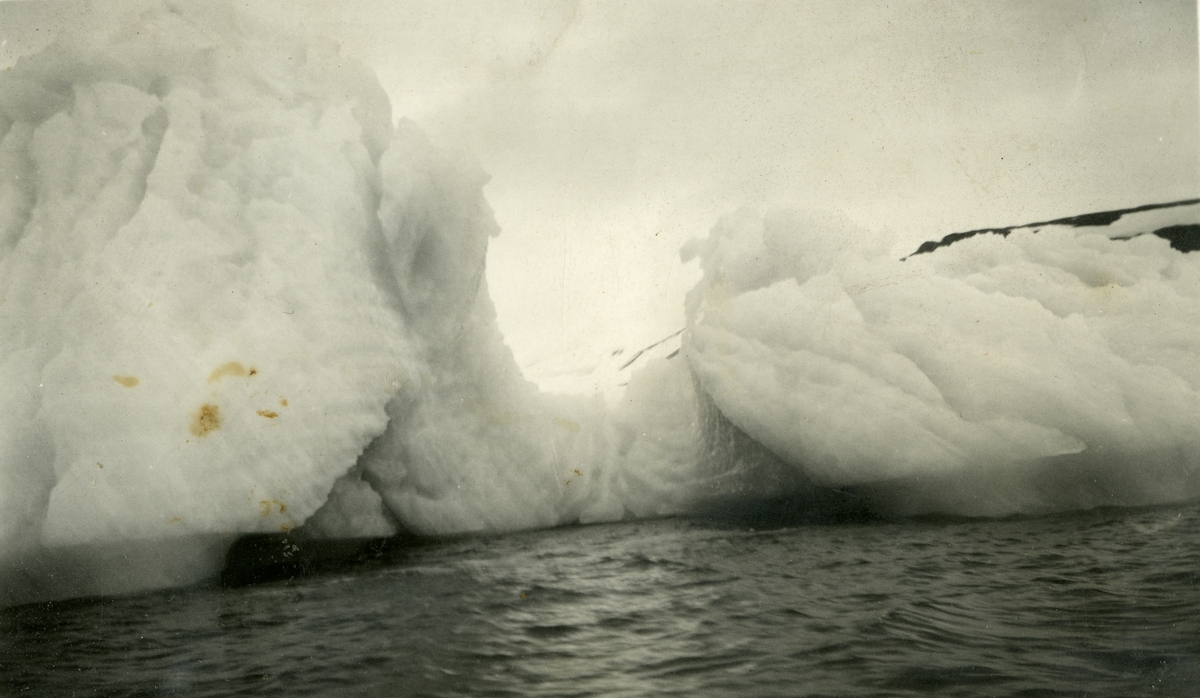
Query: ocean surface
{"points": [[1105, 603]]}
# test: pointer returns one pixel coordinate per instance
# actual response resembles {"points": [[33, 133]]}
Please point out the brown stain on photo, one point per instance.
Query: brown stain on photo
{"points": [[206, 420], [268, 414], [265, 506], [127, 381], [232, 368]]}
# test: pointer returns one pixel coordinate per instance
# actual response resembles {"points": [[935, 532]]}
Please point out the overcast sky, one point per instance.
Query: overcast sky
{"points": [[615, 131]]}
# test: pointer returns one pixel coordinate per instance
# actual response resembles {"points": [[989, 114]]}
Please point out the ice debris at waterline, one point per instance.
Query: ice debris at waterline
{"points": [[236, 299]]}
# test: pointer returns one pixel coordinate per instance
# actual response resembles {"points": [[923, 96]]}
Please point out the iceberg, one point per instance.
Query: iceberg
{"points": [[1023, 370], [238, 299]]}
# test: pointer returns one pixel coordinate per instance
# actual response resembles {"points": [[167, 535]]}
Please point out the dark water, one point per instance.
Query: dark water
{"points": [[1100, 604]]}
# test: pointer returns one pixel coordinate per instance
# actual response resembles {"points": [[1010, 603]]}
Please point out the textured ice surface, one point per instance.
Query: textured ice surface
{"points": [[233, 293], [1027, 369], [236, 298], [192, 319]]}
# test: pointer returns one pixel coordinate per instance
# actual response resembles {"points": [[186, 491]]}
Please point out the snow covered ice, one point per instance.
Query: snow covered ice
{"points": [[237, 297]]}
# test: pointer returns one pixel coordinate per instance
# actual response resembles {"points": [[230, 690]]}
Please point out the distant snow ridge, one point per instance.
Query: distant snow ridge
{"points": [[1122, 224], [606, 373]]}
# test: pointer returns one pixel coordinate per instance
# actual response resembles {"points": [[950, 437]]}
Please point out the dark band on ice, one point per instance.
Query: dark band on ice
{"points": [[1185, 238]]}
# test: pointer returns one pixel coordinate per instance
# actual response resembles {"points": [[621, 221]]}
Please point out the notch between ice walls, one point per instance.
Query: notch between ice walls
{"points": [[235, 299]]}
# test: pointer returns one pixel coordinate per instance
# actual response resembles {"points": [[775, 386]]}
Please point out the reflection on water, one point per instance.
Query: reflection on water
{"points": [[1103, 603]]}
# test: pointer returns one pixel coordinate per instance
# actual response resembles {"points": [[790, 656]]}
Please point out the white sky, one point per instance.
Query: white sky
{"points": [[614, 131]]}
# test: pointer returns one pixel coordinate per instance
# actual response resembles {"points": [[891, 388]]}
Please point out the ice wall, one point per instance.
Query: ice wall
{"points": [[195, 336], [236, 298], [1021, 370]]}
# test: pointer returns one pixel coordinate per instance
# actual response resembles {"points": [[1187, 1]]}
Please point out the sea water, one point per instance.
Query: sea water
{"points": [[1103, 603]]}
